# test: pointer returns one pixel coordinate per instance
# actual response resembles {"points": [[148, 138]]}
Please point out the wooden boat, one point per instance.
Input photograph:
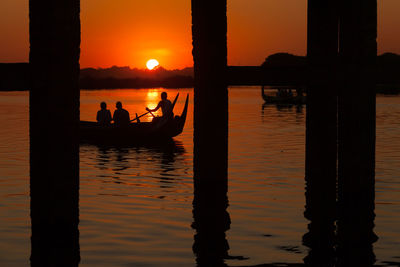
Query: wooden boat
{"points": [[293, 100], [158, 130]]}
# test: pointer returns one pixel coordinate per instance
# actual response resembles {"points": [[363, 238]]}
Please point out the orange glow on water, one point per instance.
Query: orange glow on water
{"points": [[153, 94], [152, 99]]}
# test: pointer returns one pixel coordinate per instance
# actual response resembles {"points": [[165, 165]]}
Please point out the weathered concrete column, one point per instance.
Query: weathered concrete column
{"points": [[357, 113], [321, 130], [54, 121], [209, 31]]}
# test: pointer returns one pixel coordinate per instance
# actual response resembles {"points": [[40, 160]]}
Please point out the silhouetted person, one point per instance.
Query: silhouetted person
{"points": [[121, 116], [279, 92], [282, 92], [165, 105], [299, 92], [103, 115], [290, 93]]}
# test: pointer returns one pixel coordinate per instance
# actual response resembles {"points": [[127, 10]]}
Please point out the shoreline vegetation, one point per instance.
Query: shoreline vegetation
{"points": [[290, 70]]}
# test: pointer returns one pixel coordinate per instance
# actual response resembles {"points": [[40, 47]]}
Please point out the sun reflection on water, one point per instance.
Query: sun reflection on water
{"points": [[152, 99]]}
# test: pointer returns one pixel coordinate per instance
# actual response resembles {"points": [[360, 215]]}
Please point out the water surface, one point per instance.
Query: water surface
{"points": [[136, 202]]}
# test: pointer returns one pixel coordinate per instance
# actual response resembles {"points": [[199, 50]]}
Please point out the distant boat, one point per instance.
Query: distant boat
{"points": [[156, 131], [289, 100]]}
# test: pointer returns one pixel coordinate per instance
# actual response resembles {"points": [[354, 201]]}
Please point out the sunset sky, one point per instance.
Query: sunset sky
{"points": [[128, 33]]}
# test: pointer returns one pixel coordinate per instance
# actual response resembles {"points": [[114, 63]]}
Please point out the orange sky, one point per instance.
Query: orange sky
{"points": [[128, 32]]}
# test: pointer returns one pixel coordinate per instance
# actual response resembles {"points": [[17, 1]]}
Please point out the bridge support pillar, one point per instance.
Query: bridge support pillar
{"points": [[321, 130], [357, 115], [54, 120], [209, 29]]}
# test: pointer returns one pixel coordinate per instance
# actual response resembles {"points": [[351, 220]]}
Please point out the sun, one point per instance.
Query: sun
{"points": [[152, 63]]}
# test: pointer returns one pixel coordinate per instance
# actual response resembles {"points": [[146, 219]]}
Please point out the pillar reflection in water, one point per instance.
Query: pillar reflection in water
{"points": [[54, 220], [211, 220]]}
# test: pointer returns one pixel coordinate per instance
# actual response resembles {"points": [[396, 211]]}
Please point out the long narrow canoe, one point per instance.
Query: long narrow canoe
{"points": [[135, 133]]}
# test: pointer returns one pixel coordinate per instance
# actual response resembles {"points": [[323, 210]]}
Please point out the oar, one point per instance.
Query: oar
{"points": [[142, 115]]}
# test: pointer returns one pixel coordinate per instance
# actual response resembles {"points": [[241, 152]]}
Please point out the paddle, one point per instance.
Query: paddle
{"points": [[142, 115]]}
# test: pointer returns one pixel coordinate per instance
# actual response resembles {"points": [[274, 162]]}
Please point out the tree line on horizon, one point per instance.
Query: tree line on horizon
{"points": [[15, 76]]}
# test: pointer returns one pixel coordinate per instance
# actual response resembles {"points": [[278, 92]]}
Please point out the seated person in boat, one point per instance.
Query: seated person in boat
{"points": [[121, 116], [280, 92], [165, 105], [284, 93], [103, 115], [299, 92]]}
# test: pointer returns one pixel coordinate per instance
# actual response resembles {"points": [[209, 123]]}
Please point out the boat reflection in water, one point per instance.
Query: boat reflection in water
{"points": [[283, 107], [126, 159]]}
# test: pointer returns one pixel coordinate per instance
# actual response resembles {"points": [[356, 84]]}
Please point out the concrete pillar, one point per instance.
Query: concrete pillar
{"points": [[321, 130], [54, 120], [357, 113], [209, 31]]}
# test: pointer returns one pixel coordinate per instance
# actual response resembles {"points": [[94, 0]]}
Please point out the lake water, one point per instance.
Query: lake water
{"points": [[136, 202]]}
